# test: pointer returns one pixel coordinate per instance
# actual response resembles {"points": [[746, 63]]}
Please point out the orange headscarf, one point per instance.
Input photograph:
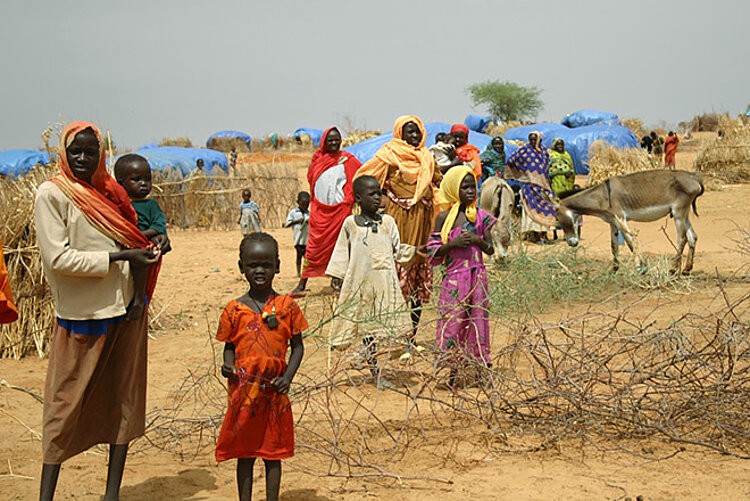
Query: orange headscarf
{"points": [[416, 164], [8, 311], [104, 203]]}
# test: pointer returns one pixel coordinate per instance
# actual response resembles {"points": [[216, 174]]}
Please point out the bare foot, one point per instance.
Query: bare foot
{"points": [[297, 292]]}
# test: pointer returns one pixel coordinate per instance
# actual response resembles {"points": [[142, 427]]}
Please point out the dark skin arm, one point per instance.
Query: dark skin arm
{"points": [[465, 239], [282, 383], [228, 369]]}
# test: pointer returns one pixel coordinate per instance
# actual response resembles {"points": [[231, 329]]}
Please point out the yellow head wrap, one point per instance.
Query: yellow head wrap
{"points": [[449, 197]]}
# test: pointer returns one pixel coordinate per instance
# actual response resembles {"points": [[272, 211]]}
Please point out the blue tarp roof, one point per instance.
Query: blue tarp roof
{"points": [[477, 123], [548, 130], [148, 145], [583, 118], [184, 159], [365, 150], [14, 163], [313, 134], [231, 134], [577, 140]]}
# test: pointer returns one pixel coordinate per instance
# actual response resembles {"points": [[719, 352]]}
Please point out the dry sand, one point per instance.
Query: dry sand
{"points": [[201, 275]]}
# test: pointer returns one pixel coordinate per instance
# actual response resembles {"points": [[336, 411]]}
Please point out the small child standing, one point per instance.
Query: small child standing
{"points": [[371, 305], [462, 234], [249, 214], [297, 219], [256, 329], [133, 173]]}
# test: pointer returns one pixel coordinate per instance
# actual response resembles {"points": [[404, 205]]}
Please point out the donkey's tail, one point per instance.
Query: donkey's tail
{"points": [[695, 211]]}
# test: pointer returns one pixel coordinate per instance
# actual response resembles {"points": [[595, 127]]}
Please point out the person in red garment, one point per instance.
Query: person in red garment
{"points": [[330, 175], [670, 149], [465, 151], [8, 311]]}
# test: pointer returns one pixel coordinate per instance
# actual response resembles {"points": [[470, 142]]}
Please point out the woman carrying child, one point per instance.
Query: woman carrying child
{"points": [[89, 243], [330, 175], [256, 329], [462, 234], [406, 170], [370, 306]]}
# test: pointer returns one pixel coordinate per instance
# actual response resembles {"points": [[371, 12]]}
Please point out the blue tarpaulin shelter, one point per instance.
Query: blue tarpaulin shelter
{"points": [[548, 130], [231, 134], [185, 160], [14, 163], [477, 123], [583, 118], [313, 134], [578, 140], [148, 145], [365, 150]]}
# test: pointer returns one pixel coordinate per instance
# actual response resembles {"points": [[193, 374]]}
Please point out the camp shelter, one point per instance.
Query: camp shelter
{"points": [[578, 141], [583, 118], [365, 150], [14, 163], [548, 130], [313, 134], [174, 159], [230, 134], [477, 123], [147, 146]]}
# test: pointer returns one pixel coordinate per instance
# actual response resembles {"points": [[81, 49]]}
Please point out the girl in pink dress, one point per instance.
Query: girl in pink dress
{"points": [[462, 234]]}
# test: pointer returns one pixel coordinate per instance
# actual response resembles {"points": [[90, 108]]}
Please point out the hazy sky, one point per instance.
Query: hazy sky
{"points": [[149, 69]]}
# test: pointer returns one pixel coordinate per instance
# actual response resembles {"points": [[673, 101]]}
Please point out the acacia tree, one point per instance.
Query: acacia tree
{"points": [[506, 100]]}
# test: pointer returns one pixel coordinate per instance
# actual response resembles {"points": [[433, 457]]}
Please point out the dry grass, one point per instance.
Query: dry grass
{"points": [[182, 142], [635, 125], [29, 334], [728, 158], [500, 129], [357, 136], [225, 144], [606, 161]]}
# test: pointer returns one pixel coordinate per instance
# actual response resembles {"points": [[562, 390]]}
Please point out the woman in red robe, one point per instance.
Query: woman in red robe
{"points": [[670, 149], [330, 175]]}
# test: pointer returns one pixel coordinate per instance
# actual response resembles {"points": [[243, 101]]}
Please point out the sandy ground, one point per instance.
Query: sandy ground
{"points": [[201, 276]]}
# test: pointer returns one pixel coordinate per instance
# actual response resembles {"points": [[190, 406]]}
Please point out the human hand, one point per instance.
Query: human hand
{"points": [[281, 384], [228, 371], [162, 243], [142, 258], [464, 240]]}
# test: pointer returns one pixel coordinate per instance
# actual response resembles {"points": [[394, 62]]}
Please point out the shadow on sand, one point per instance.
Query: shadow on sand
{"points": [[183, 486]]}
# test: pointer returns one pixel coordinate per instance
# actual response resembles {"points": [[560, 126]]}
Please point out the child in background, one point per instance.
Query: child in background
{"points": [[462, 234], [133, 173], [249, 214], [297, 219], [371, 305], [256, 329]]}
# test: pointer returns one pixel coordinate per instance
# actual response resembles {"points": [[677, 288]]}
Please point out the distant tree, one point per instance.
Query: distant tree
{"points": [[506, 100]]}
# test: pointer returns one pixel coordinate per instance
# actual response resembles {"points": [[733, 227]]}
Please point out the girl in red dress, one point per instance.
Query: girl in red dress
{"points": [[256, 329]]}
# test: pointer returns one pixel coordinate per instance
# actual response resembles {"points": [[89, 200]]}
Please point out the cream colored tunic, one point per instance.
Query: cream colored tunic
{"points": [[75, 258], [370, 302]]}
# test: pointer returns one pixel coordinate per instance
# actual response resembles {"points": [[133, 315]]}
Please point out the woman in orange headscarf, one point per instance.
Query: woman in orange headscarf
{"points": [[330, 175], [95, 390], [406, 170], [8, 312]]}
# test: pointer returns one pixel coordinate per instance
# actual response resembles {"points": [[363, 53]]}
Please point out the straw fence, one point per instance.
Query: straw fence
{"points": [[727, 158], [198, 201]]}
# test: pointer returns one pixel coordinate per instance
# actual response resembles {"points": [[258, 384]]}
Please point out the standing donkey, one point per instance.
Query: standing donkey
{"points": [[642, 196]]}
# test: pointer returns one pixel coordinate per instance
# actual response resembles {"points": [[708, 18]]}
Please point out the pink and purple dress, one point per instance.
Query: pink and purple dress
{"points": [[463, 306]]}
